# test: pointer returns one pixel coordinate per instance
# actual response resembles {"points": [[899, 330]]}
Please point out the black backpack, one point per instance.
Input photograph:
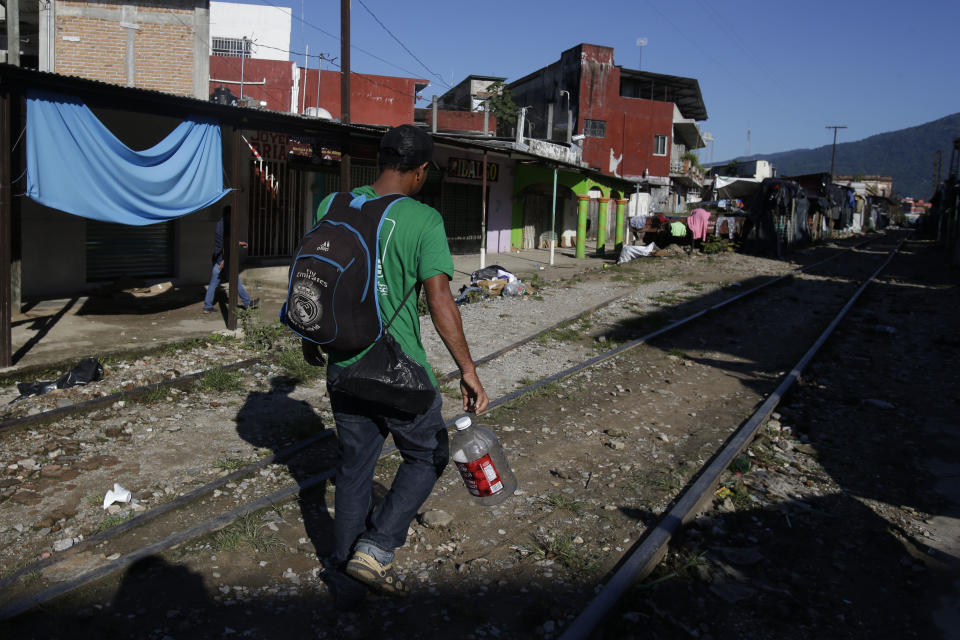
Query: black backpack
{"points": [[332, 296]]}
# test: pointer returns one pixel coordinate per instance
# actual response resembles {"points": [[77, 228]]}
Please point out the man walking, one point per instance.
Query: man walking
{"points": [[220, 261], [413, 251]]}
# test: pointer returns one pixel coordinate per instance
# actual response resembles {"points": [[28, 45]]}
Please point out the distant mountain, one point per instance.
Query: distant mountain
{"points": [[907, 155]]}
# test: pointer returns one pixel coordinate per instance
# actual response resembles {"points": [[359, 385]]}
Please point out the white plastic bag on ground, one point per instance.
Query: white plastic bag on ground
{"points": [[632, 252]]}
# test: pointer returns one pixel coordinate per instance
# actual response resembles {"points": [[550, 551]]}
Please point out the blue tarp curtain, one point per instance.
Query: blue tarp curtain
{"points": [[75, 164]]}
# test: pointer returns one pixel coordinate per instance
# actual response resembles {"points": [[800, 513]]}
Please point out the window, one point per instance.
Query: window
{"points": [[238, 47], [659, 145], [595, 128]]}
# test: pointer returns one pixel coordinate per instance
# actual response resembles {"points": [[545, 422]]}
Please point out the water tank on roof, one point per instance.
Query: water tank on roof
{"points": [[317, 112]]}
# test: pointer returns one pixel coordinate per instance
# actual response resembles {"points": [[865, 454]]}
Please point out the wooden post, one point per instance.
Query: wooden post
{"points": [[6, 217], [345, 91], [483, 213], [231, 243]]}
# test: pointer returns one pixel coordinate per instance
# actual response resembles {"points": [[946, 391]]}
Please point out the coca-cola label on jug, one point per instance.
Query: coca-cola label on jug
{"points": [[480, 476]]}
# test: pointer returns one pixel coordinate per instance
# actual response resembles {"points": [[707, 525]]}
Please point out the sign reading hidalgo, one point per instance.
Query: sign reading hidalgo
{"points": [[472, 169]]}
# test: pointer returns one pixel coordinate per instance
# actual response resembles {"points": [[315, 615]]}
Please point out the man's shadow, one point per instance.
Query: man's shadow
{"points": [[274, 420]]}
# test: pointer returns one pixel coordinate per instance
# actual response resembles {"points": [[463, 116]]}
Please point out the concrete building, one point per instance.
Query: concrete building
{"points": [[631, 124], [148, 44], [258, 31]]}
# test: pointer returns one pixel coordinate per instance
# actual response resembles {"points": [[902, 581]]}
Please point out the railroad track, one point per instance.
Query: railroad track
{"points": [[184, 535]]}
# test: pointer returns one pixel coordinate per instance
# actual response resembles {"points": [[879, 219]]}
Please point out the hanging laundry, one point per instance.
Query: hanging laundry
{"points": [[697, 221], [678, 229]]}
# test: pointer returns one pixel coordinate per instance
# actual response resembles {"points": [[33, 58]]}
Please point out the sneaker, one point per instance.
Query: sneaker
{"points": [[384, 579], [210, 310], [254, 304]]}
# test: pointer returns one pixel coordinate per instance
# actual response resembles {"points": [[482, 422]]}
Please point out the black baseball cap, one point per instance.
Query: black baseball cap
{"points": [[406, 145]]}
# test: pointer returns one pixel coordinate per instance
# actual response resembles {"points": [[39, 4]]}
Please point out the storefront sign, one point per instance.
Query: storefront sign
{"points": [[271, 146], [300, 148], [472, 169]]}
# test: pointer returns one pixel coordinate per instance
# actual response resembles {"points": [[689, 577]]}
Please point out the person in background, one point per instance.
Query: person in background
{"points": [[220, 260]]}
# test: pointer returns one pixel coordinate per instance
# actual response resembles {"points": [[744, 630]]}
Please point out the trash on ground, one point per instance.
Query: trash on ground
{"points": [[632, 252], [117, 494], [493, 272], [88, 370]]}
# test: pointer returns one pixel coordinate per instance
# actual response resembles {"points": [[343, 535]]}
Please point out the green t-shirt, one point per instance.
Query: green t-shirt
{"points": [[413, 247]]}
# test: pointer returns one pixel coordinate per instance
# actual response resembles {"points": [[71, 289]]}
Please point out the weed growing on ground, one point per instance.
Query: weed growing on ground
{"points": [[259, 335], [220, 379], [111, 521], [563, 549], [564, 333], [560, 501], [247, 531], [96, 500], [740, 464], [229, 464], [679, 563], [677, 353], [291, 361], [153, 396], [526, 381]]}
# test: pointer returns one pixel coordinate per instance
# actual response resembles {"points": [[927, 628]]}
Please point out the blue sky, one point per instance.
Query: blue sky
{"points": [[783, 71]]}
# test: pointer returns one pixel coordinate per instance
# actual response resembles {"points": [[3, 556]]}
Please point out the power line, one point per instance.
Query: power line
{"points": [[405, 48], [337, 38]]}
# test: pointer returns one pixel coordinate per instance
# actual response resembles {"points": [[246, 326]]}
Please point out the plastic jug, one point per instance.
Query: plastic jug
{"points": [[482, 463]]}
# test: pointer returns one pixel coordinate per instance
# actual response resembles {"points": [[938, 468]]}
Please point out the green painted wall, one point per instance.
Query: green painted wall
{"points": [[526, 175]]}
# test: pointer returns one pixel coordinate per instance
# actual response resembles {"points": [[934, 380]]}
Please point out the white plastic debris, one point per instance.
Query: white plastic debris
{"points": [[117, 494]]}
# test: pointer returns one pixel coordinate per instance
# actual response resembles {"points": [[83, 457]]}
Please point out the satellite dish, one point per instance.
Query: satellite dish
{"points": [[641, 42]]}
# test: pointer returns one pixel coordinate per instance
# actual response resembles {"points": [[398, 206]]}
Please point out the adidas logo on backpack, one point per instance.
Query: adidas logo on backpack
{"points": [[332, 298]]}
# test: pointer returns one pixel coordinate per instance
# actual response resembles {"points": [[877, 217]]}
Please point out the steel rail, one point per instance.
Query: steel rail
{"points": [[225, 519], [645, 556], [106, 401]]}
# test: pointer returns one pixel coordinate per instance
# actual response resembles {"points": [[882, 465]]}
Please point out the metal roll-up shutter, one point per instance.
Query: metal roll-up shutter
{"points": [[115, 250], [462, 208]]}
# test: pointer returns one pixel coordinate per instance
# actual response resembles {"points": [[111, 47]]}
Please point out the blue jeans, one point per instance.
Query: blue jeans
{"points": [[215, 282], [361, 430]]}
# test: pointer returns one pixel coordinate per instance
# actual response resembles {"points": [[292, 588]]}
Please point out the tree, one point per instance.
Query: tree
{"points": [[501, 105]]}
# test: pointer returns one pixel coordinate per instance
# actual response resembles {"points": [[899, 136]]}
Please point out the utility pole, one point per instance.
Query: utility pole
{"points": [[243, 58], [833, 155], [938, 154], [345, 91], [13, 32]]}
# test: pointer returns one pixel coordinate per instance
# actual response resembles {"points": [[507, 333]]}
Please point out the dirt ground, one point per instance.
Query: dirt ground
{"points": [[832, 526]]}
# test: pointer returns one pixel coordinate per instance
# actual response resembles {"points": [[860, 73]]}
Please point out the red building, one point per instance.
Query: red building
{"points": [[633, 123], [378, 100]]}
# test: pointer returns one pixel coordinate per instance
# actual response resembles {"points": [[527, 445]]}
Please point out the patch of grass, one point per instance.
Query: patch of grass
{"points": [[259, 335], [562, 502], [679, 563], [739, 495], [562, 549], [564, 333], [677, 353], [112, 521], [666, 299], [295, 367], [666, 481], [220, 379], [154, 395], [96, 500], [247, 531], [228, 464], [696, 286], [537, 282], [740, 464], [526, 381]]}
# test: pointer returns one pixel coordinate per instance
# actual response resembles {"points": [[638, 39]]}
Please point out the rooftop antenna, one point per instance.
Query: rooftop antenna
{"points": [[641, 43], [748, 142]]}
